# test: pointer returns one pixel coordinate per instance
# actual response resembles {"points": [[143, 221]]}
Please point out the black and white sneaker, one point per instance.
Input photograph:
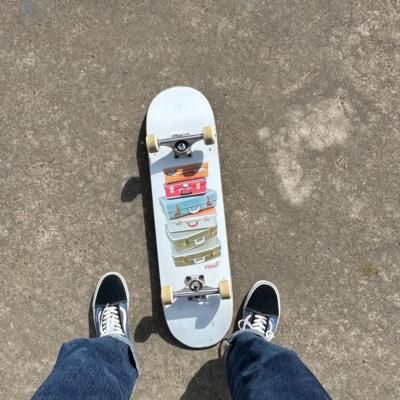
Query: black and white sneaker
{"points": [[261, 310], [110, 306]]}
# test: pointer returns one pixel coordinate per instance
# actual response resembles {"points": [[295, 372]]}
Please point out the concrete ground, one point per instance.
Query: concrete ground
{"points": [[306, 96]]}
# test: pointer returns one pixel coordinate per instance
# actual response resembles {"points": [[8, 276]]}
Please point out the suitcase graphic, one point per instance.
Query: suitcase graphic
{"points": [[185, 188], [186, 173], [203, 253], [202, 220], [183, 241], [179, 207]]}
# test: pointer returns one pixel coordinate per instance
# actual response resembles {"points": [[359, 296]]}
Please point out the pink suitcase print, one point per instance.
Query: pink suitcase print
{"points": [[186, 188]]}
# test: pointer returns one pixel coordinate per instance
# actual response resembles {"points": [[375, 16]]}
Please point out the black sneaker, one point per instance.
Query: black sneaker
{"points": [[261, 309], [110, 306]]}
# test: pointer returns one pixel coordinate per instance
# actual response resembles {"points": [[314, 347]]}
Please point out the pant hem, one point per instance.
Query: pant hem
{"points": [[133, 353], [230, 338]]}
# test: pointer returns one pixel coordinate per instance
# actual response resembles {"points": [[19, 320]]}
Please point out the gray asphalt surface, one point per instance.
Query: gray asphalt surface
{"points": [[306, 96]]}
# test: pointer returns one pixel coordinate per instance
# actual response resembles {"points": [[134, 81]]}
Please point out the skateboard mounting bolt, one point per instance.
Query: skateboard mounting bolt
{"points": [[181, 146], [196, 285]]}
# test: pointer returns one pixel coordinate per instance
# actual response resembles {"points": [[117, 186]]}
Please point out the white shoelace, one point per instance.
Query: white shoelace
{"points": [[110, 322], [261, 324]]}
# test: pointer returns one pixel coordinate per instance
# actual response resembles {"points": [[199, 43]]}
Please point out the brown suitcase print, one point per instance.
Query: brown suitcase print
{"points": [[186, 172]]}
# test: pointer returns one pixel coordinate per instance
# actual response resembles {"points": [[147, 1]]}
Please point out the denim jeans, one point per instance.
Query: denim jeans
{"points": [[106, 369], [259, 370], [102, 368]]}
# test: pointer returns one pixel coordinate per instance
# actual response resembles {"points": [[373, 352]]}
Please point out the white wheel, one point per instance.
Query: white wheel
{"points": [[167, 295], [152, 143], [224, 289], [208, 135]]}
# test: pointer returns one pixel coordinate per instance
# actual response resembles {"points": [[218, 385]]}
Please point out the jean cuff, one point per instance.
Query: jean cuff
{"points": [[132, 350], [227, 342], [229, 339]]}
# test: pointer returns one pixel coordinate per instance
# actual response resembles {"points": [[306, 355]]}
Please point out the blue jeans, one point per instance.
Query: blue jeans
{"points": [[99, 369], [259, 370], [105, 369]]}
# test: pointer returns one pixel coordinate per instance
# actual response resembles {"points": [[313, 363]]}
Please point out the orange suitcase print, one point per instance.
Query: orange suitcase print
{"points": [[186, 173]]}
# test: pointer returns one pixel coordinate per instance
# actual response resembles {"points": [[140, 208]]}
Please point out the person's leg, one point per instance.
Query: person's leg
{"points": [[99, 368], [104, 367], [257, 369]]}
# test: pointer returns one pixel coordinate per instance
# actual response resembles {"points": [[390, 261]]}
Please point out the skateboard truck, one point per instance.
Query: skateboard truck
{"points": [[195, 288], [180, 143]]}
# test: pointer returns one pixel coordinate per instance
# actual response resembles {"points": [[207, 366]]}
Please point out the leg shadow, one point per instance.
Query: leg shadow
{"points": [[92, 329], [208, 383], [132, 188]]}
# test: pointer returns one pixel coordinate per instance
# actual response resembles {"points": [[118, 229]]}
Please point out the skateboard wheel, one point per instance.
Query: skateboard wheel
{"points": [[208, 135], [152, 143], [167, 295], [224, 289]]}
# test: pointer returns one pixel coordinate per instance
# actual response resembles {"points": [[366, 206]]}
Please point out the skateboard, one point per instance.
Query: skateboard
{"points": [[189, 218]]}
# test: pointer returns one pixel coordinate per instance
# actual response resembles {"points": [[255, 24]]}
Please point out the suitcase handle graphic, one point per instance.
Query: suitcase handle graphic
{"points": [[200, 241], [199, 260], [186, 191], [192, 224], [194, 210]]}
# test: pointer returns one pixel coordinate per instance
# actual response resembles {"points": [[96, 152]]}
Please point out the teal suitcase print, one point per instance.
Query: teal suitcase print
{"points": [[175, 208]]}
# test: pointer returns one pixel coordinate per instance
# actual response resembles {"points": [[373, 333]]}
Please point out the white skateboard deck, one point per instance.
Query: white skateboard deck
{"points": [[200, 321]]}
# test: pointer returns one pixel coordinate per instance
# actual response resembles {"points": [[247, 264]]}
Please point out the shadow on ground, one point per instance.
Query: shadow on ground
{"points": [[208, 383], [92, 329]]}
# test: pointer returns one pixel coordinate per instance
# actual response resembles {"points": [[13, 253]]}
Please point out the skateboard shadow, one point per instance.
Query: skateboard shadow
{"points": [[208, 383], [204, 312], [154, 324]]}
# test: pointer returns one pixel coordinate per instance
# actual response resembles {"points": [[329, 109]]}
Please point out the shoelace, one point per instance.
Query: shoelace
{"points": [[261, 324], [110, 322]]}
